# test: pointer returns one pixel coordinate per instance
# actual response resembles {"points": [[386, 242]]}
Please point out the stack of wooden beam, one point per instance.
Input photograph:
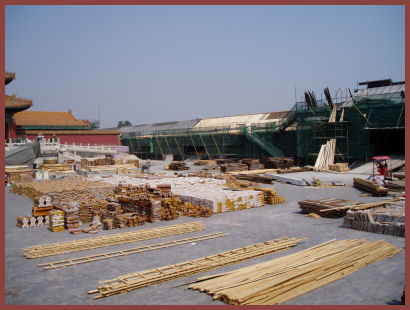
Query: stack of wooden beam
{"points": [[278, 162], [202, 162], [279, 280], [178, 165], [233, 167], [369, 186], [253, 164], [331, 205], [56, 220], [326, 155], [339, 167]]}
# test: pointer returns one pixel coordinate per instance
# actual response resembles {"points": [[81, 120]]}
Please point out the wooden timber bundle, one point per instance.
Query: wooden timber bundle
{"points": [[148, 277], [104, 241], [279, 280], [178, 165], [202, 162], [56, 220], [170, 209], [334, 207], [370, 186], [187, 209], [233, 167], [255, 178], [270, 196], [278, 163], [65, 189], [382, 220], [253, 164]]}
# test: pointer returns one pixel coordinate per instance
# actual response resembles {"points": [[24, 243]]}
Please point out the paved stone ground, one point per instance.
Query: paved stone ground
{"points": [[378, 284]]}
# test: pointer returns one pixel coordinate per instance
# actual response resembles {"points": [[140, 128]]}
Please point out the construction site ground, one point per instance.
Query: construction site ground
{"points": [[380, 283]]}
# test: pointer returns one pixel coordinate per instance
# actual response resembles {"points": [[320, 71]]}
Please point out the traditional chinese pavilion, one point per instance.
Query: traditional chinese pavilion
{"points": [[61, 125]]}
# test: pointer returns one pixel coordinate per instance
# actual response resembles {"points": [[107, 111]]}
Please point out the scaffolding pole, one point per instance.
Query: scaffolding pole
{"points": [[179, 148], [166, 141], [206, 150], [219, 151], [193, 144], [160, 149]]}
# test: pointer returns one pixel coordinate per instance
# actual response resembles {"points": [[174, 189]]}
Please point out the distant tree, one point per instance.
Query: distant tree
{"points": [[123, 124]]}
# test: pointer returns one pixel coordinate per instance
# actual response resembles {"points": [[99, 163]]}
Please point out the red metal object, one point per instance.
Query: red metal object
{"points": [[381, 163]]}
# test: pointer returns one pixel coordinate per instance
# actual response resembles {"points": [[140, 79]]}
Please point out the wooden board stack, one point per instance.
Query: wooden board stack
{"points": [[253, 164], [326, 155], [339, 167], [104, 241], [370, 186], [56, 220], [178, 165], [331, 205], [278, 162], [279, 280], [148, 277], [233, 167]]}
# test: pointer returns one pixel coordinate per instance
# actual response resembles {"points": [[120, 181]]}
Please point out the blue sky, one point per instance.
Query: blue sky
{"points": [[161, 63]]}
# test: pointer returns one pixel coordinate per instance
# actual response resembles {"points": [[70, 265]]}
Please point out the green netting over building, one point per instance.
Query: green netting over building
{"points": [[365, 126]]}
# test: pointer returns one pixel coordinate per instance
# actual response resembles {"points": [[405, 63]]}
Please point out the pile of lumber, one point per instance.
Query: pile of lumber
{"points": [[32, 221], [124, 252], [326, 155], [56, 220], [110, 240], [269, 195], [233, 167], [334, 207], [278, 162], [382, 220], [178, 165], [205, 162], [20, 173], [339, 167], [279, 280], [255, 178], [64, 190], [148, 277], [253, 164], [370, 186]]}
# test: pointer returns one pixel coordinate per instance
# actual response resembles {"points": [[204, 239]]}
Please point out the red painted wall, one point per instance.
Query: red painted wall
{"points": [[12, 130], [84, 139]]}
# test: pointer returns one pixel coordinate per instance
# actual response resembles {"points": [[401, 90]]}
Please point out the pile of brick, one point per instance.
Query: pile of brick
{"points": [[233, 167]]}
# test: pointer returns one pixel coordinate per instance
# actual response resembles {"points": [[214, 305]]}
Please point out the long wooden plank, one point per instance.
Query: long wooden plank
{"points": [[152, 276], [284, 278], [104, 241], [141, 249]]}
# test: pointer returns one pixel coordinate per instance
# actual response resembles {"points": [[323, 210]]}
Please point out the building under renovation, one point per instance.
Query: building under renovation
{"points": [[368, 122]]}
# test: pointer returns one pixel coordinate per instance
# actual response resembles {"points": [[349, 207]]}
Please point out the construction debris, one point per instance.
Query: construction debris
{"points": [[202, 162], [370, 186], [279, 280], [280, 178], [104, 241], [140, 279]]}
